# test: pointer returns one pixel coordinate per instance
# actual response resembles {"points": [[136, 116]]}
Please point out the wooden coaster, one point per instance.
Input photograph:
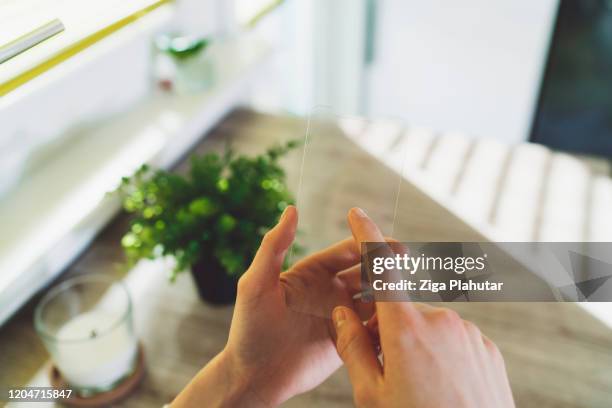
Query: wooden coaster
{"points": [[104, 398]]}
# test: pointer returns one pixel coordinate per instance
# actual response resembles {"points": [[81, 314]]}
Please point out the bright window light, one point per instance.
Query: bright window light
{"points": [[248, 12]]}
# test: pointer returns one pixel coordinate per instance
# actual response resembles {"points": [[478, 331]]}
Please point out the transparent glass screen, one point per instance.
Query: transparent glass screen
{"points": [[346, 163]]}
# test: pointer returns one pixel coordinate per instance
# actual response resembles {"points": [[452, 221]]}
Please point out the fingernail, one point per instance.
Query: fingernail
{"points": [[339, 316], [359, 212], [284, 214]]}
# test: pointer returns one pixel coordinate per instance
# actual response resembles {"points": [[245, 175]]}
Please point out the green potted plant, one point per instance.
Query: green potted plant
{"points": [[211, 220]]}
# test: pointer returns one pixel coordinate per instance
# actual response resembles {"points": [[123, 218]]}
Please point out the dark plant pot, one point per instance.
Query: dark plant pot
{"points": [[214, 284]]}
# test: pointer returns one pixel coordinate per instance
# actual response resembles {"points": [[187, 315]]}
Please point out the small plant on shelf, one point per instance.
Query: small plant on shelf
{"points": [[211, 220]]}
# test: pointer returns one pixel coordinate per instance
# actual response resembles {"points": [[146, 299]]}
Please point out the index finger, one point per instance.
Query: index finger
{"points": [[365, 230]]}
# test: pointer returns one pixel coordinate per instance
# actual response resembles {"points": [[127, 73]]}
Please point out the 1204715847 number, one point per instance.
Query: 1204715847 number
{"points": [[33, 394]]}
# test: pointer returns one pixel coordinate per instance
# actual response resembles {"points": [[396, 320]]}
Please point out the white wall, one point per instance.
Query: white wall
{"points": [[470, 65]]}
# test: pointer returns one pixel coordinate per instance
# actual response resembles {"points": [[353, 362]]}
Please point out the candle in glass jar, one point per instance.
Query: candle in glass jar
{"points": [[94, 351]]}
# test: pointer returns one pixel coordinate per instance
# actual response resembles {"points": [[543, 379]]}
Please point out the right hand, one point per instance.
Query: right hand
{"points": [[432, 358]]}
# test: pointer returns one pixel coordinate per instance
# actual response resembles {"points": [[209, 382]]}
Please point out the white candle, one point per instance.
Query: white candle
{"points": [[94, 350]]}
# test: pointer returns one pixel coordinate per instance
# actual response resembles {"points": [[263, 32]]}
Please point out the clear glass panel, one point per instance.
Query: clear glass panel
{"points": [[340, 170]]}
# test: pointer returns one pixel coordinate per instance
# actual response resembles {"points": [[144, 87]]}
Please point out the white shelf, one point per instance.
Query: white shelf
{"points": [[56, 212]]}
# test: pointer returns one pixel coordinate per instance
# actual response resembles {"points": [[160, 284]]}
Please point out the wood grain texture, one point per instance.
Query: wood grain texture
{"points": [[557, 355]]}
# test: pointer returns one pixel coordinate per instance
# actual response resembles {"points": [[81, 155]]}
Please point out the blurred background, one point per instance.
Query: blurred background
{"points": [[488, 120]]}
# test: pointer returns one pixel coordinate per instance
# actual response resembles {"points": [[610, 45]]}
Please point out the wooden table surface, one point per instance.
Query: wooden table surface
{"points": [[557, 355]]}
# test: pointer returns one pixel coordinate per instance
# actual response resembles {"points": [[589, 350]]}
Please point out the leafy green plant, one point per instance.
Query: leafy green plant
{"points": [[221, 208]]}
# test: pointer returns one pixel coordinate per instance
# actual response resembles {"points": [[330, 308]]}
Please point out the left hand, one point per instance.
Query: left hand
{"points": [[281, 329], [281, 342]]}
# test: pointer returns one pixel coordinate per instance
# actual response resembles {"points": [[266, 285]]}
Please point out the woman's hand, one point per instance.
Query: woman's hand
{"points": [[432, 358], [280, 342]]}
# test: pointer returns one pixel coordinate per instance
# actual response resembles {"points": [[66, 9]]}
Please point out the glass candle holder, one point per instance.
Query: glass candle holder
{"points": [[86, 325]]}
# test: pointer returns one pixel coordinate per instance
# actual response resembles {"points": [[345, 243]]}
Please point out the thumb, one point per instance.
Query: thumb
{"points": [[268, 261], [355, 347]]}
